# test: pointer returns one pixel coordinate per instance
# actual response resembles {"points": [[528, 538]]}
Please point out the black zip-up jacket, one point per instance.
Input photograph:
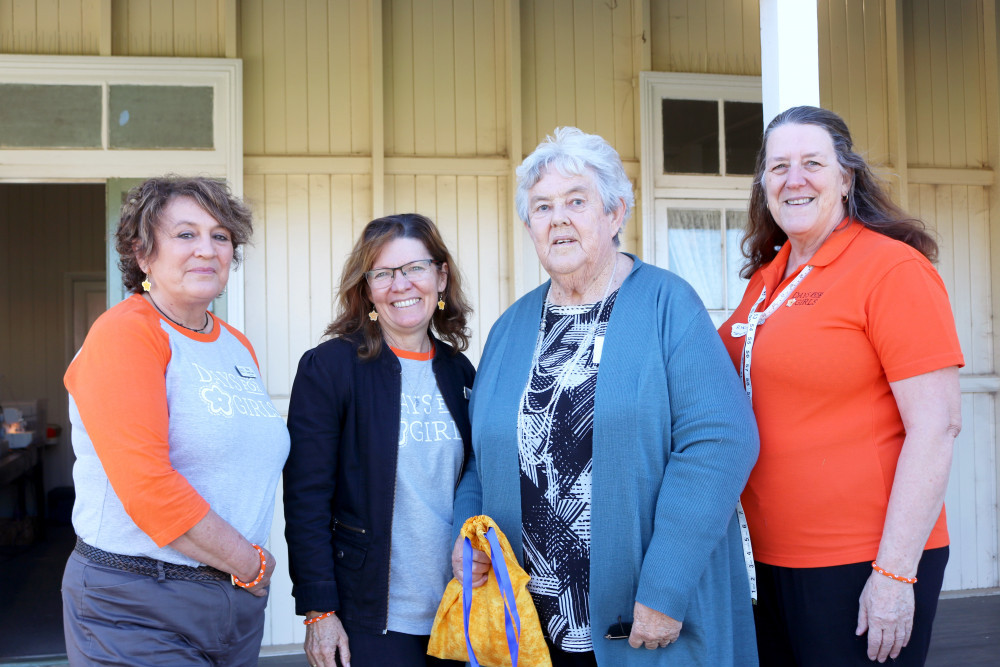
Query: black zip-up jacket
{"points": [[340, 477]]}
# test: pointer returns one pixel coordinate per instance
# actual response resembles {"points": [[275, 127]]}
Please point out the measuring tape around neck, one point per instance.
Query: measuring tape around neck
{"points": [[755, 319], [749, 329]]}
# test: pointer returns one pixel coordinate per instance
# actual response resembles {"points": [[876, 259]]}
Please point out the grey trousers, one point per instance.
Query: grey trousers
{"points": [[112, 617]]}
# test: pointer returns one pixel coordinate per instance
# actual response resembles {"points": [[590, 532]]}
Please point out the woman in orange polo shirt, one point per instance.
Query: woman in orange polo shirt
{"points": [[847, 347]]}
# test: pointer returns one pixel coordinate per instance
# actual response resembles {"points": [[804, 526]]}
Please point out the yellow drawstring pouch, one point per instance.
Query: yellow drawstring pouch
{"points": [[495, 625]]}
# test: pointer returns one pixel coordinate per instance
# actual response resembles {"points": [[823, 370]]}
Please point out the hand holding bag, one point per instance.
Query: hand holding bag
{"points": [[495, 625]]}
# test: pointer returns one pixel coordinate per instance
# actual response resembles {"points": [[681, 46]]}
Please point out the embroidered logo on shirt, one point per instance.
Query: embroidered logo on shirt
{"points": [[803, 299]]}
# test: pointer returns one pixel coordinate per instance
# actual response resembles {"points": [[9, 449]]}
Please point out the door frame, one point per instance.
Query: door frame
{"points": [[96, 165]]}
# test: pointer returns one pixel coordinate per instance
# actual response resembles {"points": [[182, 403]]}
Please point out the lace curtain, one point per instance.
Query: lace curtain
{"points": [[697, 255]]}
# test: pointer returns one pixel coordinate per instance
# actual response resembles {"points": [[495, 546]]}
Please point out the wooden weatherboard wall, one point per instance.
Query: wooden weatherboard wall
{"points": [[357, 108]]}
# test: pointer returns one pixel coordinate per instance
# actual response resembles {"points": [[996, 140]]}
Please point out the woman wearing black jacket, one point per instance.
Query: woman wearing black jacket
{"points": [[379, 423]]}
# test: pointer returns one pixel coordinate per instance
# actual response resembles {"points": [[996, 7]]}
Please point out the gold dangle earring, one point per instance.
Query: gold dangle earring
{"points": [[373, 316], [146, 284], [440, 300]]}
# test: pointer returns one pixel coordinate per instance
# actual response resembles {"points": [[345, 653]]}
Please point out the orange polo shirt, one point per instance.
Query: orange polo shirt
{"points": [[872, 311]]}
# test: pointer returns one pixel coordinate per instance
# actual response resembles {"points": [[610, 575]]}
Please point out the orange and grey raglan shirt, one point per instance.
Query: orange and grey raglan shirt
{"points": [[167, 424]]}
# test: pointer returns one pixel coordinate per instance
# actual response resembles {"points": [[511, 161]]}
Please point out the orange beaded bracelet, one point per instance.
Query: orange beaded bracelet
{"points": [[905, 580], [260, 575], [316, 619]]}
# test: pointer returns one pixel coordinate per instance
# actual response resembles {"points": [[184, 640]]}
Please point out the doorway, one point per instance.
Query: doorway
{"points": [[52, 261]]}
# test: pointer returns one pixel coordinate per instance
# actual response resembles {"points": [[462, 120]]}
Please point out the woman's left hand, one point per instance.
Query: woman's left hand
{"points": [[886, 612], [651, 628], [261, 589]]}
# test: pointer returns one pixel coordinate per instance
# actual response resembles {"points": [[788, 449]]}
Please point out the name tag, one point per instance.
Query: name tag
{"points": [[246, 371], [739, 330], [598, 349]]}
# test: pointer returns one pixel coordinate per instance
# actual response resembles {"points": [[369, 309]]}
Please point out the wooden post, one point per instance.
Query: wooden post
{"points": [[789, 55]]}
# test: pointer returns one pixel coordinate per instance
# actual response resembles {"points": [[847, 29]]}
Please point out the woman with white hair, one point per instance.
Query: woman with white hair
{"points": [[611, 438]]}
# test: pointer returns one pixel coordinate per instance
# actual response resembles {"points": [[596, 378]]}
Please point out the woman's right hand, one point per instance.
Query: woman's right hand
{"points": [[480, 563], [323, 639]]}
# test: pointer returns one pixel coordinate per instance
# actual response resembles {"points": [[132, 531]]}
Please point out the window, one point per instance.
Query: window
{"points": [[710, 137], [700, 139], [704, 249]]}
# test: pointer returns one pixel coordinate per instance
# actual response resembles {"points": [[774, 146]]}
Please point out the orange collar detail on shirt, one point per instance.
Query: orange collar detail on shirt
{"points": [[413, 356]]}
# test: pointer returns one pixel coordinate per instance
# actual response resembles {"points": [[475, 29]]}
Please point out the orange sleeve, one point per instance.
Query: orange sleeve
{"points": [[910, 322], [117, 382]]}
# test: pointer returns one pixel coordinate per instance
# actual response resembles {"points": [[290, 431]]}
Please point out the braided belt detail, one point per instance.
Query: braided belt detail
{"points": [[149, 566]]}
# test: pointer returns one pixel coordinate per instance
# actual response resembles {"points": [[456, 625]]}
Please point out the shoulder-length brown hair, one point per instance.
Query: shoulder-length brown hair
{"points": [[136, 233], [354, 301], [868, 201]]}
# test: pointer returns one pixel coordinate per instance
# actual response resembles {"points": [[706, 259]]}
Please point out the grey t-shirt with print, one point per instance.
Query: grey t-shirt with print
{"points": [[427, 470]]}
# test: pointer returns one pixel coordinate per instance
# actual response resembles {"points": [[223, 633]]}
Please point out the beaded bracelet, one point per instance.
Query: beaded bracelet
{"points": [[260, 575], [905, 580], [316, 619]]}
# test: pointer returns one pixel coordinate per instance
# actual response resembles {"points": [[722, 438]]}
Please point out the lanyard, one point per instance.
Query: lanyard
{"points": [[749, 329], [755, 319]]}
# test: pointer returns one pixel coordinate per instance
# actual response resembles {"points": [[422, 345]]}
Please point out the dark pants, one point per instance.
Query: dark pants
{"points": [[113, 617], [561, 658], [393, 649], [806, 617]]}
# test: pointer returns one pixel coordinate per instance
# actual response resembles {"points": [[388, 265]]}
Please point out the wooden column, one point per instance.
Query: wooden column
{"points": [[896, 100], [378, 114], [789, 55]]}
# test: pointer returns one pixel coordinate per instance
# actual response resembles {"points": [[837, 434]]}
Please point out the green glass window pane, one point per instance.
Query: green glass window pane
{"points": [[744, 128], [695, 240], [152, 117], [38, 116], [690, 137]]}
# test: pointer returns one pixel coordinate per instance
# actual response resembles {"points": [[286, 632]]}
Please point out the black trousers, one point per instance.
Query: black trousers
{"points": [[393, 649], [561, 658], [806, 617]]}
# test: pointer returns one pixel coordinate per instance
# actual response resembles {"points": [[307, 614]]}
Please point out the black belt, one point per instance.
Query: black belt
{"points": [[149, 566]]}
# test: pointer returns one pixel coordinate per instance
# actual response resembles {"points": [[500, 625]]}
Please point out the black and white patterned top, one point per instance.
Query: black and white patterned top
{"points": [[556, 427]]}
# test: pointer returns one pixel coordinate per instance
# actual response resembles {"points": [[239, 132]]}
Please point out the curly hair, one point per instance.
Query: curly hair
{"points": [[355, 304], [144, 204], [868, 200]]}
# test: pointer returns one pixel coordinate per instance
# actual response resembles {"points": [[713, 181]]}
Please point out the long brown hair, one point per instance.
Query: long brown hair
{"points": [[868, 201], [354, 304]]}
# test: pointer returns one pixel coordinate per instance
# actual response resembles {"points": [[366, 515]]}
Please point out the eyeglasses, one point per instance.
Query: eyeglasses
{"points": [[416, 271], [619, 630]]}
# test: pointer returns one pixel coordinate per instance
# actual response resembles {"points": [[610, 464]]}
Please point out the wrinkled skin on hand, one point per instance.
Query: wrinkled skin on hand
{"points": [[886, 613], [323, 639], [652, 629]]}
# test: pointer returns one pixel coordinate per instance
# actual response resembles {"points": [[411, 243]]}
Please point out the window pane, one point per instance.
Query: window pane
{"points": [[744, 129], [160, 117], [736, 222], [44, 116], [690, 137], [695, 239]]}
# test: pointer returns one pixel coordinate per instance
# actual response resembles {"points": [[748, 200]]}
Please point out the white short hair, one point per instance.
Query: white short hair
{"points": [[573, 152]]}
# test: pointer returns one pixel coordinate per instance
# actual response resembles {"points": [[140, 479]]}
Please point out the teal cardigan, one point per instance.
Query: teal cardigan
{"points": [[674, 442]]}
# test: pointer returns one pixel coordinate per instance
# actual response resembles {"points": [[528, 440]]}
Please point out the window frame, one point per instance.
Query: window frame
{"points": [[656, 185], [117, 166]]}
